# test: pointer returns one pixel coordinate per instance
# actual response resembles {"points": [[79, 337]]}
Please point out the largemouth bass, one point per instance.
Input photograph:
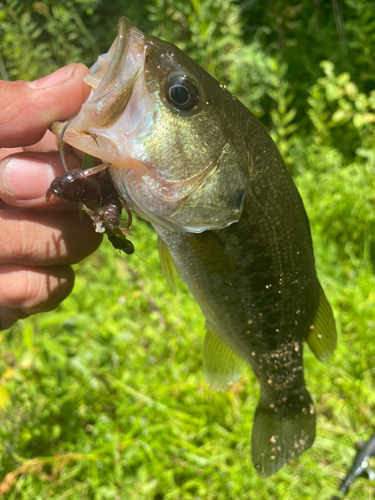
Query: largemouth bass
{"points": [[190, 158]]}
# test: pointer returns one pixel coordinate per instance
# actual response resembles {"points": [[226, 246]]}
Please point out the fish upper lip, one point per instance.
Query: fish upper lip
{"points": [[125, 28]]}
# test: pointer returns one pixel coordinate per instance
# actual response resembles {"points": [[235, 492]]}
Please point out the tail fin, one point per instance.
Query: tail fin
{"points": [[282, 433]]}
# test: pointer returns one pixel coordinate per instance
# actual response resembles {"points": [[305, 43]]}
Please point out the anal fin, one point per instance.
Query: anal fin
{"points": [[322, 337], [222, 367]]}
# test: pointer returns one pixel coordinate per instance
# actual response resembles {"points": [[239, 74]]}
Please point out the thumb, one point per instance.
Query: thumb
{"points": [[29, 108]]}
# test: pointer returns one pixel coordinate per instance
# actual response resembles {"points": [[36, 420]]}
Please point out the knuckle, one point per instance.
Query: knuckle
{"points": [[35, 289], [48, 288], [46, 239], [9, 316]]}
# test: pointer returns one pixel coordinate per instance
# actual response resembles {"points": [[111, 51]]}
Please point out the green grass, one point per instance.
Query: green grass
{"points": [[107, 397]]}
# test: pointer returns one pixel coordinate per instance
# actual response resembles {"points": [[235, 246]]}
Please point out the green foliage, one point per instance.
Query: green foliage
{"points": [[37, 38], [206, 30], [339, 109], [104, 397], [337, 164]]}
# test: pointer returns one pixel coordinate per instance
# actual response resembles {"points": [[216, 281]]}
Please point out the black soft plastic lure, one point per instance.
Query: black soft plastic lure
{"points": [[95, 185]]}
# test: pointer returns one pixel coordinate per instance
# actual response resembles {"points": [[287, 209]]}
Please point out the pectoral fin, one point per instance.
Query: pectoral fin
{"points": [[167, 265], [222, 367], [322, 337], [212, 255]]}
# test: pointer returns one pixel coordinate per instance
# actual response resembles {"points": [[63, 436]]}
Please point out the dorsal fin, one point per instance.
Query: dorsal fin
{"points": [[322, 337], [222, 367], [167, 265]]}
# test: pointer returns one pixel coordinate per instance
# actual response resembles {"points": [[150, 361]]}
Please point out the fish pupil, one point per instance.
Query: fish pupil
{"points": [[182, 93], [179, 94]]}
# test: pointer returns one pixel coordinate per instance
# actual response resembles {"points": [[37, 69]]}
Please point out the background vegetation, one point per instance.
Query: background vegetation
{"points": [[104, 398]]}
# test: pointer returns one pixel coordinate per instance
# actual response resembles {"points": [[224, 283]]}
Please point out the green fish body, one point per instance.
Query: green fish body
{"points": [[192, 160]]}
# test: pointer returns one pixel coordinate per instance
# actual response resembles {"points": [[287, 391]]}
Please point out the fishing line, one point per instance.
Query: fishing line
{"points": [[61, 145]]}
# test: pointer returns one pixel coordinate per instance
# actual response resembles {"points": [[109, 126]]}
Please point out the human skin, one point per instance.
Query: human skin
{"points": [[39, 241]]}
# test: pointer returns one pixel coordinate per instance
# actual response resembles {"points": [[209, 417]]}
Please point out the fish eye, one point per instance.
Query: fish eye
{"points": [[182, 93]]}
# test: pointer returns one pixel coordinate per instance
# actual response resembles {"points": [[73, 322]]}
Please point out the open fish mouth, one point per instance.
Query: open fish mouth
{"points": [[114, 74], [112, 79]]}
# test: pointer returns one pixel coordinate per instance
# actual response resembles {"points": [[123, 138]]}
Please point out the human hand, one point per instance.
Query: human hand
{"points": [[39, 241]]}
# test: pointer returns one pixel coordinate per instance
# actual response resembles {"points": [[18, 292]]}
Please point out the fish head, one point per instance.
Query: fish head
{"points": [[165, 127]]}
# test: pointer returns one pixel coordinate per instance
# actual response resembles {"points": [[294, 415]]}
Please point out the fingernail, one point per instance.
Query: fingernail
{"points": [[26, 179], [59, 76]]}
